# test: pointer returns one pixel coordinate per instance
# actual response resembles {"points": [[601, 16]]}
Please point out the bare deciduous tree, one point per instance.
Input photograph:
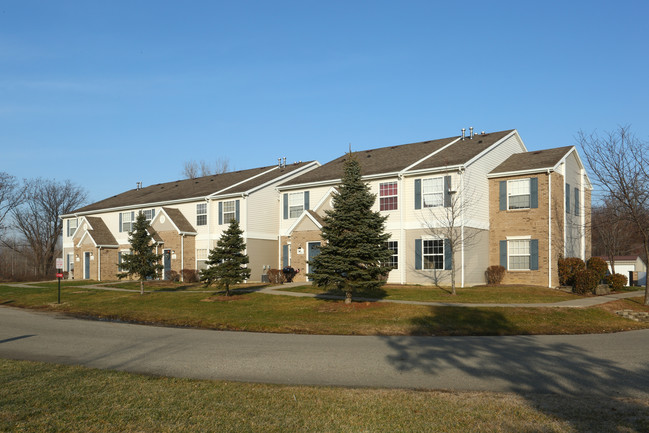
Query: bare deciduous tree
{"points": [[193, 169], [611, 234], [448, 220], [10, 197], [37, 218], [618, 160]]}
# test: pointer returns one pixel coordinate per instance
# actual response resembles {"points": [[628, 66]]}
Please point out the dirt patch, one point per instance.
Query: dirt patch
{"points": [[222, 298], [81, 291], [335, 307]]}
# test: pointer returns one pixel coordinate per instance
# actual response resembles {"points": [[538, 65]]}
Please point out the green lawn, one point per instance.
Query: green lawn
{"points": [[269, 313], [39, 397], [470, 295]]}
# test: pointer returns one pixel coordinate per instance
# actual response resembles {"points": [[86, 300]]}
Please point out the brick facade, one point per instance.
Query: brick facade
{"points": [[300, 239]]}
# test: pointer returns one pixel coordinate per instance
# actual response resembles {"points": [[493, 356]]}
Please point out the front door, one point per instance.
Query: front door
{"points": [[166, 262], [86, 265], [313, 249]]}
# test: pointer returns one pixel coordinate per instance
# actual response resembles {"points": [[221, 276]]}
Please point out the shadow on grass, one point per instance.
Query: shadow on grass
{"points": [[357, 295], [545, 370]]}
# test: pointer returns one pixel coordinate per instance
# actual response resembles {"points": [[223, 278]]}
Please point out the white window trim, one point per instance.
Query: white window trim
{"points": [[396, 194], [200, 214], [519, 195], [225, 220], [509, 255], [423, 194], [424, 255], [393, 255]]}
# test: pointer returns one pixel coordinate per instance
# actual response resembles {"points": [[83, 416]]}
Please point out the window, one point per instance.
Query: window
{"points": [[149, 214], [295, 204], [518, 194], [519, 254], [72, 226], [201, 214], [201, 258], [120, 259], [229, 211], [126, 220], [433, 192], [576, 202], [388, 196], [433, 254], [567, 198], [393, 262]]}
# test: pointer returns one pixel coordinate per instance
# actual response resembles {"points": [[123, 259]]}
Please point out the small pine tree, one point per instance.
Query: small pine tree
{"points": [[226, 261], [142, 261], [354, 254]]}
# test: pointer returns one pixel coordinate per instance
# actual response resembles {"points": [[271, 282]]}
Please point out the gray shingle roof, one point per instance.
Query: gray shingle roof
{"points": [[228, 183], [100, 233], [395, 158], [535, 160], [179, 220]]}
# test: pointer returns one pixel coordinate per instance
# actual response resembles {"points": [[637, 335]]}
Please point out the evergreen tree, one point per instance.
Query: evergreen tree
{"points": [[226, 261], [354, 253], [141, 261]]}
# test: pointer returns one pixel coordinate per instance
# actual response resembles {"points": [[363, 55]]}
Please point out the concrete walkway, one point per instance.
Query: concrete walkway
{"points": [[277, 290]]}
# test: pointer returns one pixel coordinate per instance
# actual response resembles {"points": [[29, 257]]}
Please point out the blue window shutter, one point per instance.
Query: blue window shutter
{"points": [[567, 198], [417, 193], [576, 201], [306, 200], [448, 255], [503, 195], [152, 214], [68, 229], [534, 192], [447, 189], [534, 254], [120, 222], [236, 212], [285, 206], [284, 256], [220, 212], [503, 254], [119, 261], [418, 259]]}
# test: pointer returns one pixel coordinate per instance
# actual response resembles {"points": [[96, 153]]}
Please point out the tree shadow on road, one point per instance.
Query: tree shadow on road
{"points": [[555, 374]]}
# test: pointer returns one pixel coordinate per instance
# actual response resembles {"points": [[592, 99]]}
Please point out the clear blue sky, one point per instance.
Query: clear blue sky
{"points": [[108, 94]]}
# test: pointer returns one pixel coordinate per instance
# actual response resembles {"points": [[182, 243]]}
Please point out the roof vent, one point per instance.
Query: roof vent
{"points": [[471, 132], [463, 131], [138, 186]]}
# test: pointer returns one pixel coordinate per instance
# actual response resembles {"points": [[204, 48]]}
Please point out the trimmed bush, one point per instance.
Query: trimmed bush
{"points": [[586, 281], [616, 281], [597, 265], [568, 269], [495, 274], [190, 275]]}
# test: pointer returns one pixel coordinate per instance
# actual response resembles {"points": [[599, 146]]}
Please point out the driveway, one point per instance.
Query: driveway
{"points": [[608, 364]]}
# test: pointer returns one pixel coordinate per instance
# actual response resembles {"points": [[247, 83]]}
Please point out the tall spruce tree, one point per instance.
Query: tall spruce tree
{"points": [[141, 262], [354, 254], [226, 261]]}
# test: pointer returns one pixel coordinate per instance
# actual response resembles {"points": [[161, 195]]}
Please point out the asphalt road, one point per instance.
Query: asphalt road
{"points": [[608, 364]]}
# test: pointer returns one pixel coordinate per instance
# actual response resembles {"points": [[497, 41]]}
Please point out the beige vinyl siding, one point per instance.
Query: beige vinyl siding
{"points": [[263, 216], [262, 252], [315, 196], [573, 227]]}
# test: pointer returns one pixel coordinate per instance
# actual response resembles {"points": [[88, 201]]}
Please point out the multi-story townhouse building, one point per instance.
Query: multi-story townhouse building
{"points": [[186, 219], [416, 185], [508, 206]]}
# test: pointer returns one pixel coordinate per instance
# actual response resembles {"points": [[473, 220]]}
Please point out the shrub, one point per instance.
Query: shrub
{"points": [[598, 265], [190, 275], [586, 280], [173, 276], [275, 276], [495, 274], [616, 281], [568, 268]]}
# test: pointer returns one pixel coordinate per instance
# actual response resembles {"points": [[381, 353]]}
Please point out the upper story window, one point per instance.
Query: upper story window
{"points": [[518, 194], [388, 199], [295, 204], [432, 192], [576, 201], [126, 220], [229, 211], [201, 214], [149, 214], [72, 226], [568, 198]]}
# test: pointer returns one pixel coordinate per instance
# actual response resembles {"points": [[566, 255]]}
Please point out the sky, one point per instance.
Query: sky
{"points": [[107, 94]]}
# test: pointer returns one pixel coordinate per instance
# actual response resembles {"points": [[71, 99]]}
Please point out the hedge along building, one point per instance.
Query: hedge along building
{"points": [[186, 219], [416, 185]]}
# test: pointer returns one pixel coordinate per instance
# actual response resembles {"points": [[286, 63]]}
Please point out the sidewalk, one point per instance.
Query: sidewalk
{"points": [[277, 290]]}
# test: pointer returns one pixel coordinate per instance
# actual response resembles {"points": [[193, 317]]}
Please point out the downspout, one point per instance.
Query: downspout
{"points": [[99, 264], [244, 201], [182, 256], [582, 212], [402, 237], [549, 228], [461, 173]]}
